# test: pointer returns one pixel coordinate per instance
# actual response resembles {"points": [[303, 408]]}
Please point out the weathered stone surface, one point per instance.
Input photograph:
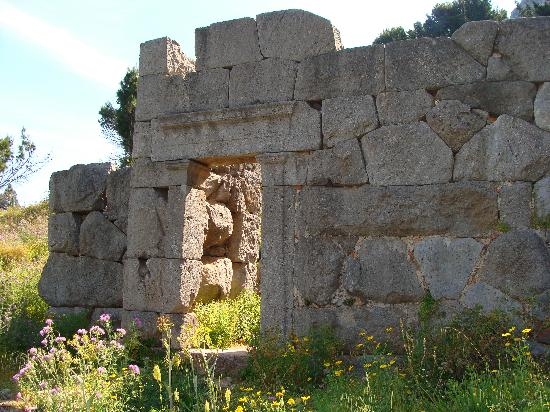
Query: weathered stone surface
{"points": [[498, 69], [209, 184], [542, 107], [245, 277], [81, 281], [101, 239], [296, 34], [457, 209], [523, 44], [429, 63], [163, 56], [217, 275], [489, 298], [446, 264], [292, 126], [407, 154], [195, 224], [144, 322], [118, 197], [226, 44], [162, 285], [477, 38], [141, 140], [518, 264], [283, 169], [207, 90], [220, 224], [348, 72], [403, 107], [250, 185], [270, 80], [509, 149], [541, 306], [542, 198], [244, 243], [341, 165], [318, 267], [513, 98], [347, 117], [79, 189], [146, 173], [514, 204], [64, 232], [60, 313], [454, 122], [380, 271]]}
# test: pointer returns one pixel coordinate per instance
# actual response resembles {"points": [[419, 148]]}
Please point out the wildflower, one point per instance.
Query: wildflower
{"points": [[504, 335], [102, 370], [82, 331], [52, 350], [227, 396], [359, 346], [18, 396], [291, 401], [326, 364], [383, 366], [176, 395], [338, 372], [244, 399], [97, 330], [338, 363], [49, 322], [134, 369], [42, 385], [279, 394], [156, 373], [206, 406], [239, 409], [55, 390], [138, 323], [305, 398], [98, 394], [494, 371], [526, 330], [44, 342], [104, 318], [45, 330], [60, 339], [121, 331], [33, 351], [388, 329]]}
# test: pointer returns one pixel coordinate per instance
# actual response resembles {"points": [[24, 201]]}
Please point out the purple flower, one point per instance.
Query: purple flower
{"points": [[97, 330], [121, 331], [105, 317], [55, 391], [102, 370], [134, 369], [60, 339], [45, 330], [16, 377], [52, 350], [82, 331], [42, 385], [18, 396], [138, 323], [48, 357], [44, 342], [49, 322], [33, 351]]}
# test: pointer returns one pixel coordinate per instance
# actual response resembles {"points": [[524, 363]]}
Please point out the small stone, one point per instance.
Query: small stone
{"points": [[347, 117], [514, 204], [409, 154], [64, 233], [101, 239], [477, 38], [403, 107], [542, 107], [220, 224], [454, 122]]}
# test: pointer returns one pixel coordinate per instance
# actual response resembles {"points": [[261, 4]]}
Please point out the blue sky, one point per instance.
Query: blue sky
{"points": [[60, 60]]}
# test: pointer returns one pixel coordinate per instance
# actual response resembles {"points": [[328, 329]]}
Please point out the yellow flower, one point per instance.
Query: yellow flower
{"points": [[305, 398], [176, 396], [494, 371], [383, 366], [156, 373], [244, 399], [227, 396], [507, 344], [279, 394], [291, 401], [359, 346], [326, 364], [338, 372], [350, 367], [504, 335], [392, 361], [176, 360], [239, 409], [206, 406], [338, 362], [526, 330], [388, 329], [370, 337]]}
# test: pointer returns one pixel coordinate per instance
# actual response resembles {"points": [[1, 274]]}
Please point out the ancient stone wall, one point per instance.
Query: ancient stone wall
{"points": [[387, 172]]}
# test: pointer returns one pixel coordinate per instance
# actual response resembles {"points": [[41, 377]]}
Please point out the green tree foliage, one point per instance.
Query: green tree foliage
{"points": [[534, 10], [444, 20], [117, 124]]}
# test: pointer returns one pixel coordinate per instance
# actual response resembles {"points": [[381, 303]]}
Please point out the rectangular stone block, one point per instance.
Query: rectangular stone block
{"points": [[429, 63], [347, 72], [207, 90], [514, 203], [160, 285], [81, 281], [270, 80], [403, 107], [79, 189], [146, 173], [64, 232], [226, 44], [283, 169], [118, 197], [141, 139], [163, 56], [278, 127], [457, 209]]}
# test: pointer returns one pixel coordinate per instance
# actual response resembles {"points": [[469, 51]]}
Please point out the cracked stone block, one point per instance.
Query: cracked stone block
{"points": [[403, 107], [64, 233], [409, 154], [296, 34], [477, 38], [101, 239], [118, 197], [141, 140]]}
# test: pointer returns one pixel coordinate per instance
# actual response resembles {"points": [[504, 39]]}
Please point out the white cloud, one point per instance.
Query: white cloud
{"points": [[61, 44]]}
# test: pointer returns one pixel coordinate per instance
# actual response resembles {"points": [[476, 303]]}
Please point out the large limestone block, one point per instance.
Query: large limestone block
{"points": [[79, 189], [429, 63], [64, 232], [341, 165], [409, 154], [542, 198], [518, 264], [403, 107], [272, 127], [477, 38], [146, 173], [269, 80], [524, 45], [220, 224], [514, 204], [244, 243], [163, 56], [283, 169], [348, 72], [457, 209], [141, 140], [118, 197], [161, 285], [488, 298], [513, 98], [454, 122], [226, 44], [380, 271], [207, 90], [347, 117], [81, 281], [296, 34], [195, 223], [446, 264], [318, 267], [542, 107], [245, 277], [510, 149], [101, 239], [217, 275]]}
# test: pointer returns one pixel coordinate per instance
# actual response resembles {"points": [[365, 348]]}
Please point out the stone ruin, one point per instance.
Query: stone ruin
{"points": [[372, 175]]}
